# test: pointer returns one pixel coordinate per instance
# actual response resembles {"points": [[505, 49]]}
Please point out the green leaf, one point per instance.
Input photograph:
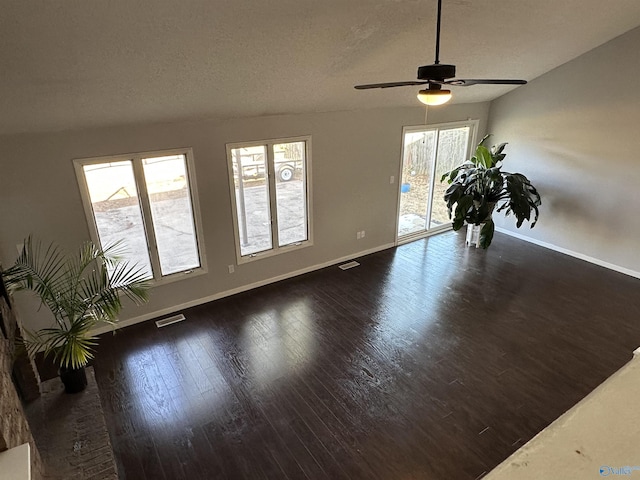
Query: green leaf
{"points": [[484, 156], [497, 150], [523, 198], [463, 206], [486, 234], [484, 139]]}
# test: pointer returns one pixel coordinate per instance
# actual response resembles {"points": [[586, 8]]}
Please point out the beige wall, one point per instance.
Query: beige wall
{"points": [[574, 133], [353, 156]]}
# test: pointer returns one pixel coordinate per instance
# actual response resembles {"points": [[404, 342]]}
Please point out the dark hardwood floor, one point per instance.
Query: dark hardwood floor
{"points": [[429, 361]]}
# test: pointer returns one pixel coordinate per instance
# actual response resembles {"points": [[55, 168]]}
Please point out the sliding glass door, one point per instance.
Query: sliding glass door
{"points": [[428, 152]]}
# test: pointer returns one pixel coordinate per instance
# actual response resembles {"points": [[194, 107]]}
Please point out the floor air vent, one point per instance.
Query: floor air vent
{"points": [[169, 320], [348, 265]]}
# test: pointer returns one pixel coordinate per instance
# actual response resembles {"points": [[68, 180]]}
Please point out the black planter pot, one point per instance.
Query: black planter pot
{"points": [[74, 379]]}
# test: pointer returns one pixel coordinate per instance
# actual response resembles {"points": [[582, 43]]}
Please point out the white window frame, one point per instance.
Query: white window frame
{"points": [[145, 207], [471, 145], [270, 175]]}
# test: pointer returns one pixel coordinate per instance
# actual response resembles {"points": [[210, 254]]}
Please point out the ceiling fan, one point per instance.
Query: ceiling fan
{"points": [[437, 75]]}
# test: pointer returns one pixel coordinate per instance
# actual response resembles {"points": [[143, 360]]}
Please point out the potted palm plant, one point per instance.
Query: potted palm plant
{"points": [[479, 185], [81, 291]]}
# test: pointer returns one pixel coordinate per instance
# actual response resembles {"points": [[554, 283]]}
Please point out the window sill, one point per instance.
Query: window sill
{"points": [[176, 277], [272, 253]]}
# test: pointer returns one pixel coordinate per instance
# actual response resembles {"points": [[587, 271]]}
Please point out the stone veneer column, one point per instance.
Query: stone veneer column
{"points": [[14, 427]]}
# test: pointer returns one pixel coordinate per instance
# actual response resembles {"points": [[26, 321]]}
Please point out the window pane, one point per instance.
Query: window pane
{"points": [[452, 150], [291, 192], [419, 149], [167, 184], [116, 209], [252, 198]]}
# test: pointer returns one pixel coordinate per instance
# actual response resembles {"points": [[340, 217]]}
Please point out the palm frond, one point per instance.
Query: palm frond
{"points": [[132, 280], [40, 269], [114, 253], [80, 290]]}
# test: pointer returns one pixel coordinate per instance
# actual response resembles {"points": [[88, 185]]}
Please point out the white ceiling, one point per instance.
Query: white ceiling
{"points": [[68, 64]]}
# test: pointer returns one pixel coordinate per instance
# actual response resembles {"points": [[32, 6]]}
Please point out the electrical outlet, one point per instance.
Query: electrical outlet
{"points": [[232, 269], [358, 235], [362, 234]]}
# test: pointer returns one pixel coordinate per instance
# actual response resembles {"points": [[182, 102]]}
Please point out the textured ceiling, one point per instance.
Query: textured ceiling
{"points": [[79, 63]]}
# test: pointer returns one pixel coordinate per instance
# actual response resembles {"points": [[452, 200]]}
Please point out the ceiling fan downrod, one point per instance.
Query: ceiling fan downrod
{"points": [[437, 60]]}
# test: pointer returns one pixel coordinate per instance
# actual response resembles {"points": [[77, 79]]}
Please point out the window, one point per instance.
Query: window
{"points": [[269, 184], [147, 202]]}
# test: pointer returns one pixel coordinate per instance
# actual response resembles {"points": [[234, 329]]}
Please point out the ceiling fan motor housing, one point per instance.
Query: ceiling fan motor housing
{"points": [[436, 71]]}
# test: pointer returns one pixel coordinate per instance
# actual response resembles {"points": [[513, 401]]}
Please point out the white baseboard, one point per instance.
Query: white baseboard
{"points": [[233, 291], [566, 251]]}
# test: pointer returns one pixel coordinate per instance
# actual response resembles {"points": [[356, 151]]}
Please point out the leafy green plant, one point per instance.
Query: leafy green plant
{"points": [[479, 185], [80, 290]]}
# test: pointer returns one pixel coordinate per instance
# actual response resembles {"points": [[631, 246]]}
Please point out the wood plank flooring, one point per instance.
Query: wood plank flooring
{"points": [[429, 361]]}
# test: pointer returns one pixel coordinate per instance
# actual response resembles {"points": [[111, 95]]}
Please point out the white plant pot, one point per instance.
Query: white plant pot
{"points": [[473, 234]]}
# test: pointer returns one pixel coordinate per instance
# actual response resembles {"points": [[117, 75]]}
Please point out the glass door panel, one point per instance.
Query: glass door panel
{"points": [[428, 153], [415, 185], [452, 151]]}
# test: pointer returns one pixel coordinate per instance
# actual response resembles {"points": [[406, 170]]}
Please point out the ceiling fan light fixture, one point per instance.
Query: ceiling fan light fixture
{"points": [[434, 97], [438, 74]]}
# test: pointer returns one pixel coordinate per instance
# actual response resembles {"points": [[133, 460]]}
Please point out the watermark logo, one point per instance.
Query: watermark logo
{"points": [[606, 470]]}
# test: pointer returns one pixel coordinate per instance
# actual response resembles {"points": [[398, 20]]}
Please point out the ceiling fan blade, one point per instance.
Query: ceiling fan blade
{"points": [[389, 85], [467, 82]]}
